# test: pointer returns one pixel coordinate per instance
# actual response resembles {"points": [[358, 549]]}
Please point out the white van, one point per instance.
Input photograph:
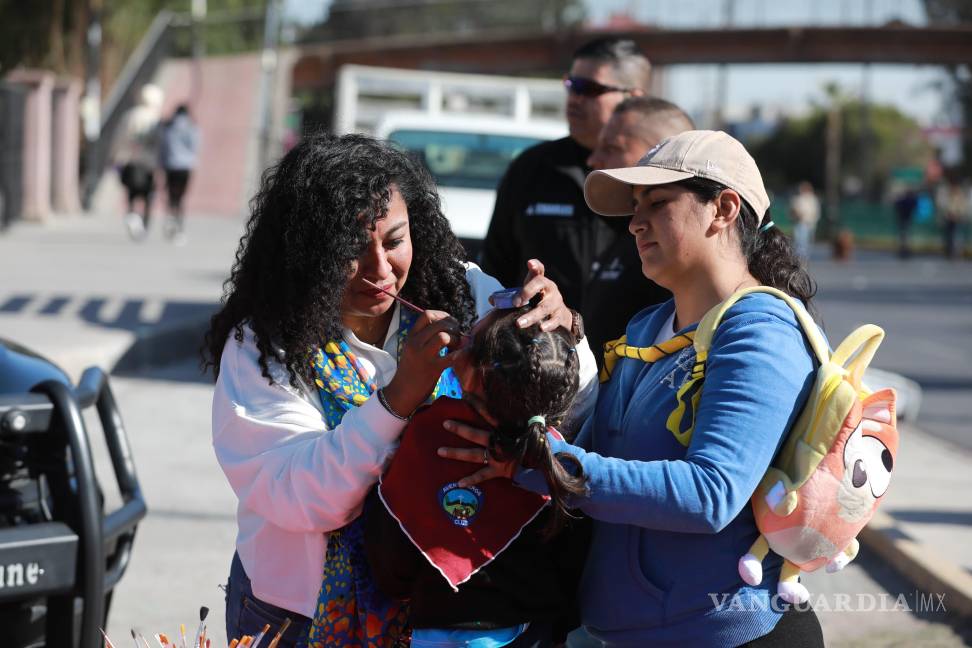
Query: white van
{"points": [[466, 128], [467, 156]]}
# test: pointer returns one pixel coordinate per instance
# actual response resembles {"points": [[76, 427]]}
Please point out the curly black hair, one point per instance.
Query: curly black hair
{"points": [[307, 226]]}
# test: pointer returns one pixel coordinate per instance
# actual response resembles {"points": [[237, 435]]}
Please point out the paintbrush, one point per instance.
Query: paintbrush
{"points": [[403, 301], [259, 637], [277, 637], [234, 643], [400, 300], [163, 640], [182, 632], [108, 643], [138, 636], [203, 612]]}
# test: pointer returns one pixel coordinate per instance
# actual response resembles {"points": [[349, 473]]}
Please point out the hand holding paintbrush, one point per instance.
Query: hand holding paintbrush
{"points": [[400, 300], [405, 302]]}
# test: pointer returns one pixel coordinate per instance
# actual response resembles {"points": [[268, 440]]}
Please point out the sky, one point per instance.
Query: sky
{"points": [[790, 88]]}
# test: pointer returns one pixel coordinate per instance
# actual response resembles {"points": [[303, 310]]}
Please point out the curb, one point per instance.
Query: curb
{"points": [[918, 563]]}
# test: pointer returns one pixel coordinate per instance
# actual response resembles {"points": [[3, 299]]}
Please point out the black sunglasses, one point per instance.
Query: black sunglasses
{"points": [[588, 87]]}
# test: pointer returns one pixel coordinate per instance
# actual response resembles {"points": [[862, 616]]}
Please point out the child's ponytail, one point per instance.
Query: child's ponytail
{"points": [[530, 379], [561, 482]]}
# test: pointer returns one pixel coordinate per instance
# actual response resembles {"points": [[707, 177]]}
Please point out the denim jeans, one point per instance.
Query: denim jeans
{"points": [[246, 614], [803, 239]]}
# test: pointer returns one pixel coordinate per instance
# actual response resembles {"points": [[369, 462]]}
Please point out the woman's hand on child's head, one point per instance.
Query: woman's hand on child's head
{"points": [[491, 468], [551, 312]]}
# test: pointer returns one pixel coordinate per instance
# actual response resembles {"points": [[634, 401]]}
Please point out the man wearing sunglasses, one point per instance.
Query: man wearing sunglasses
{"points": [[540, 210]]}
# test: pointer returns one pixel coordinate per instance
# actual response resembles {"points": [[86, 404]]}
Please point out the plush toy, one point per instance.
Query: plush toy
{"points": [[814, 520]]}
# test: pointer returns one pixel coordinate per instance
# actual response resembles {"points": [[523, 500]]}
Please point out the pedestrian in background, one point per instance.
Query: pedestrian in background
{"points": [[952, 206], [904, 211], [540, 210], [178, 154], [136, 156], [804, 212]]}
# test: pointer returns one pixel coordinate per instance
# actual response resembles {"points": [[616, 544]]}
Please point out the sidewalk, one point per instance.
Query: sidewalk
{"points": [[79, 292], [924, 526]]}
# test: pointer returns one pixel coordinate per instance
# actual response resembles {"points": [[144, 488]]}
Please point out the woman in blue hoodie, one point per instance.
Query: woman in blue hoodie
{"points": [[671, 521]]}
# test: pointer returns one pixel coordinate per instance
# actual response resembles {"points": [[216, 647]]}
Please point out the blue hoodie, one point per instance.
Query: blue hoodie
{"points": [[672, 522]]}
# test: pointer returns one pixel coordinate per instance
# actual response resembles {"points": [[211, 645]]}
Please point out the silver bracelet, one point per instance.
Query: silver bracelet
{"points": [[388, 408]]}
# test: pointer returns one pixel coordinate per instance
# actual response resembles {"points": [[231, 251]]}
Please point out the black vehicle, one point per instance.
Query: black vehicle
{"points": [[61, 555]]}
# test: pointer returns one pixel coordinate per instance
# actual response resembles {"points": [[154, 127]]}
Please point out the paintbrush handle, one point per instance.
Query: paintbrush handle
{"points": [[277, 637], [400, 300]]}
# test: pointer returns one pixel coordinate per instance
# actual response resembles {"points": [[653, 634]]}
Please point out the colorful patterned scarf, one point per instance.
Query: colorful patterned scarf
{"points": [[351, 611]]}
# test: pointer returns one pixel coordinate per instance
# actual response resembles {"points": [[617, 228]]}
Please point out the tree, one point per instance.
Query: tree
{"points": [[375, 18], [795, 151], [48, 35], [51, 34], [953, 12]]}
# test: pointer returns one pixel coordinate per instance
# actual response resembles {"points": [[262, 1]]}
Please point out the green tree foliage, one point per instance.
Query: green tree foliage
{"points": [[51, 34], [375, 18], [232, 26], [956, 12], [796, 150], [48, 34]]}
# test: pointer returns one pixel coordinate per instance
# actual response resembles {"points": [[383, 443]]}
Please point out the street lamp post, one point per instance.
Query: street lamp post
{"points": [[268, 63], [199, 10], [91, 104]]}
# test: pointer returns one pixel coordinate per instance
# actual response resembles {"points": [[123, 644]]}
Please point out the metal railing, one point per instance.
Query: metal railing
{"points": [[139, 69]]}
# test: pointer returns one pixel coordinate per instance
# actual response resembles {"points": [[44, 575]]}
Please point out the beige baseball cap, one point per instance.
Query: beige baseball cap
{"points": [[713, 155]]}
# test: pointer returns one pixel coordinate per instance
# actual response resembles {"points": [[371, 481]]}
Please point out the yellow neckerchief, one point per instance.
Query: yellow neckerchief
{"points": [[617, 349]]}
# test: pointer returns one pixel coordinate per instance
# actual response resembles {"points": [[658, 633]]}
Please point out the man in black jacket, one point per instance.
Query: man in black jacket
{"points": [[540, 210]]}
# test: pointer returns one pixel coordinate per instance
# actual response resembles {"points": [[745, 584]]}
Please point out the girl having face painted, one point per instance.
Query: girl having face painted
{"points": [[426, 538]]}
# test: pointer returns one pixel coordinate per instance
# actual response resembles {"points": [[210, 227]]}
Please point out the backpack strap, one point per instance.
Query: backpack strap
{"points": [[856, 352], [681, 422], [710, 322]]}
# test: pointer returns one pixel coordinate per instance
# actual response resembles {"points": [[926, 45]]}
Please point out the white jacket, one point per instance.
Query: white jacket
{"points": [[296, 480]]}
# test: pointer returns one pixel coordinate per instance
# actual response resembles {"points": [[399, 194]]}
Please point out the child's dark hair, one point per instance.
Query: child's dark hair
{"points": [[528, 373]]}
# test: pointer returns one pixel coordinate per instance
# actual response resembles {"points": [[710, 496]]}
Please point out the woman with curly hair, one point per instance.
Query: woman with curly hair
{"points": [[302, 342]]}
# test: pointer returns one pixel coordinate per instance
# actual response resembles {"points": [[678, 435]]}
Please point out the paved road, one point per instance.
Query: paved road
{"points": [[184, 546], [925, 307], [80, 292], [79, 286]]}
